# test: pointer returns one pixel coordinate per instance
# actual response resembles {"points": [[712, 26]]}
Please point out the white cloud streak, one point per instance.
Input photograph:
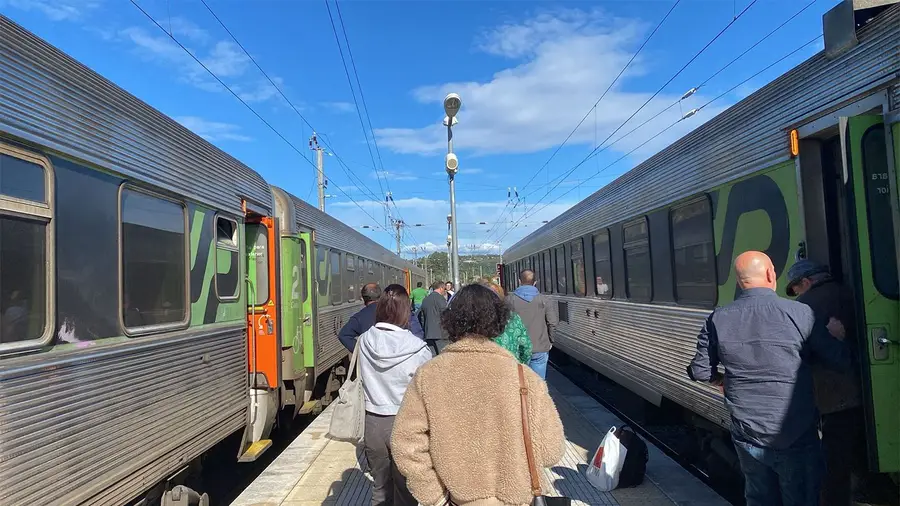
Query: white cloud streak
{"points": [[213, 130], [432, 214], [55, 10], [562, 63]]}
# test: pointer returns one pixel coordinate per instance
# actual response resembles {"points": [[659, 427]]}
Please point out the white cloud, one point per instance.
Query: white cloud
{"points": [[462, 171], [561, 63], [431, 214], [213, 130], [340, 107], [223, 57], [56, 10], [394, 176]]}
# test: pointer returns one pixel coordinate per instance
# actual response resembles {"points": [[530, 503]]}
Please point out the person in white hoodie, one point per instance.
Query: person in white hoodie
{"points": [[389, 356]]}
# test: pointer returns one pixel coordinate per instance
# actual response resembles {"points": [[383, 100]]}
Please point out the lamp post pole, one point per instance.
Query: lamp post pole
{"points": [[452, 104]]}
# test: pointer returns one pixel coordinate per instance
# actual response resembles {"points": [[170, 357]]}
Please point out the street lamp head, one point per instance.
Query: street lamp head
{"points": [[452, 163], [452, 103]]}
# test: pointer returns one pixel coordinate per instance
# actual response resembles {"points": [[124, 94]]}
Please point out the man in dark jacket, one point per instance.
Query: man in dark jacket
{"points": [[430, 317], [540, 318], [838, 394], [765, 342], [365, 318]]}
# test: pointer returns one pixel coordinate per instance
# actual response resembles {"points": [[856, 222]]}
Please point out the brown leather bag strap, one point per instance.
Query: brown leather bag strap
{"points": [[526, 430]]}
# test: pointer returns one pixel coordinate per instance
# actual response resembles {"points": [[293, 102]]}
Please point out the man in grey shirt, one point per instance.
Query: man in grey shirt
{"points": [[540, 318], [430, 317], [765, 343]]}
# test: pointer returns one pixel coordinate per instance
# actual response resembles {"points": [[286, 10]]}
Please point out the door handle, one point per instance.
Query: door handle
{"points": [[881, 344]]}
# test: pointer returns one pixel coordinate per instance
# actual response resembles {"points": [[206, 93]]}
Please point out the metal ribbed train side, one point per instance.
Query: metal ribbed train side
{"points": [[329, 350], [333, 233], [895, 97], [651, 345], [747, 137], [50, 99], [103, 424]]}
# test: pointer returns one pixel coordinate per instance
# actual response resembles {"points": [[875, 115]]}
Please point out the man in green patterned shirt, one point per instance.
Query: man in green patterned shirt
{"points": [[515, 336]]}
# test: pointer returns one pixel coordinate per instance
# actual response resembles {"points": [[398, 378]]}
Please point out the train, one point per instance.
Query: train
{"points": [[804, 167], [157, 296]]}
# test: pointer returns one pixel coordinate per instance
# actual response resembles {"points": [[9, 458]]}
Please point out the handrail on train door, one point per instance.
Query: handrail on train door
{"points": [[251, 290]]}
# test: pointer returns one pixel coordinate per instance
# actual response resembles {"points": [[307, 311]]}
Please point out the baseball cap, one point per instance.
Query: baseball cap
{"points": [[800, 270]]}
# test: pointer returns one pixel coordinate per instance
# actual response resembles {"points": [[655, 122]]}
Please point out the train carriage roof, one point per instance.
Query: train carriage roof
{"points": [[333, 233], [747, 137], [50, 99]]}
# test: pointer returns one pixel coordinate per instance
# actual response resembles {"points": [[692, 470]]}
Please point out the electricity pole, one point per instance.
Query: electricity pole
{"points": [[320, 170], [399, 225]]}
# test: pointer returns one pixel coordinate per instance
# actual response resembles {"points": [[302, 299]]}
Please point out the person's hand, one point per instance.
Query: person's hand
{"points": [[836, 328]]}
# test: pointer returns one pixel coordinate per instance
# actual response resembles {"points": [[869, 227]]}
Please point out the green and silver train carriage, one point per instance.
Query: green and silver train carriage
{"points": [[154, 292], [806, 167]]}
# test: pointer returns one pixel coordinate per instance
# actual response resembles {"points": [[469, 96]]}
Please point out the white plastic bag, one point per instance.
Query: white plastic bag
{"points": [[606, 466]]}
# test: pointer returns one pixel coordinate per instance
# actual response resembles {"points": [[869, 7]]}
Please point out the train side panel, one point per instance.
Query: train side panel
{"points": [[139, 377]]}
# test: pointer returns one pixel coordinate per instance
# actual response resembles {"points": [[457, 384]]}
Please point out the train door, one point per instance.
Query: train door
{"points": [[307, 322], [293, 287], [846, 170], [263, 346], [869, 174]]}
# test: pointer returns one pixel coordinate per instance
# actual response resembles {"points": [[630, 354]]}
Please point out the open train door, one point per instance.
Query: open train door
{"points": [[307, 323], [869, 163]]}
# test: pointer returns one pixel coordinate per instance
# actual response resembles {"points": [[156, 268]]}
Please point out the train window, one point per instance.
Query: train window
{"points": [[547, 276], [692, 253], [350, 278], [602, 264], [882, 248], [26, 249], [337, 290], [304, 291], [371, 267], [560, 258], [154, 266], [227, 271], [638, 276], [22, 179], [257, 239], [321, 273], [578, 282], [360, 273]]}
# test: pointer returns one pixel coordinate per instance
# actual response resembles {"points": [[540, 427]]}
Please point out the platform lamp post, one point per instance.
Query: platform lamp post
{"points": [[450, 260], [452, 103]]}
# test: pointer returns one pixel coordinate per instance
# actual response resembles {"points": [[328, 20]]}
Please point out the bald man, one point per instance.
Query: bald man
{"points": [[765, 344]]}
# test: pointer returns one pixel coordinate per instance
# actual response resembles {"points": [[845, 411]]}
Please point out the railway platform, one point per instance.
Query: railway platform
{"points": [[315, 470]]}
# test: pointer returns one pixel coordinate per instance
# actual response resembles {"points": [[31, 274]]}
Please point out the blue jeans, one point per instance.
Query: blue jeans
{"points": [[538, 363], [789, 477]]}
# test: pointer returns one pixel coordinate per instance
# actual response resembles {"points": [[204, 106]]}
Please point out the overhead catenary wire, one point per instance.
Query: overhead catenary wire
{"points": [[655, 94], [359, 111], [704, 83], [597, 148], [242, 101], [605, 92], [277, 88], [379, 171], [718, 97]]}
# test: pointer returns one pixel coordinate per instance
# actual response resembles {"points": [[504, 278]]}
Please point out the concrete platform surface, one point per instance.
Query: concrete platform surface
{"points": [[315, 470]]}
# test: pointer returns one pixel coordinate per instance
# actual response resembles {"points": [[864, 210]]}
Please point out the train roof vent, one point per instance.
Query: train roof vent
{"points": [[840, 24]]}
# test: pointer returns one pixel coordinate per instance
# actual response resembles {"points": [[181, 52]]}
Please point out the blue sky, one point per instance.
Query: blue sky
{"points": [[527, 72]]}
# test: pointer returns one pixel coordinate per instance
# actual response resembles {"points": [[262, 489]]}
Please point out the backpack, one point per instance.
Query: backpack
{"points": [[635, 465]]}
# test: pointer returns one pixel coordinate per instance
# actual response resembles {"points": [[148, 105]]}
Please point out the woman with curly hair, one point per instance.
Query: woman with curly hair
{"points": [[458, 436], [515, 336]]}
